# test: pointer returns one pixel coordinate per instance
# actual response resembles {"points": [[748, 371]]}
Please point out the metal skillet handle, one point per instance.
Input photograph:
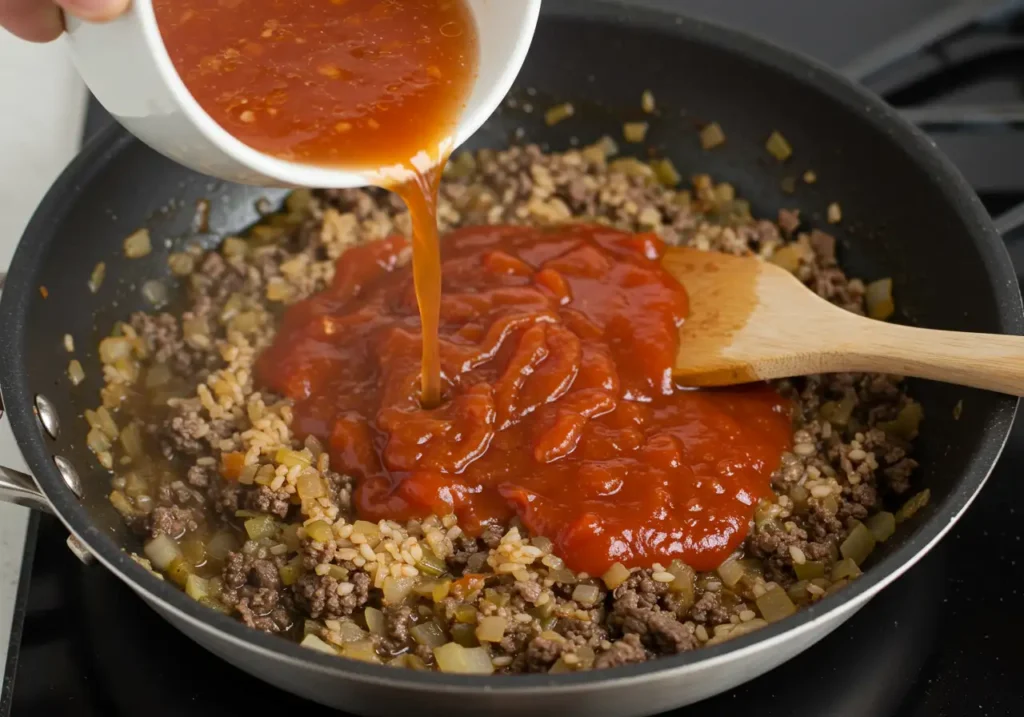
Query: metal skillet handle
{"points": [[16, 485]]}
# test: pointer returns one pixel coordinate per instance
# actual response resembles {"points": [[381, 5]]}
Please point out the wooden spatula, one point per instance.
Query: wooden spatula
{"points": [[751, 320]]}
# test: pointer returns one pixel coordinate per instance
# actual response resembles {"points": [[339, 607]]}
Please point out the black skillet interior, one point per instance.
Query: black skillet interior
{"points": [[904, 216]]}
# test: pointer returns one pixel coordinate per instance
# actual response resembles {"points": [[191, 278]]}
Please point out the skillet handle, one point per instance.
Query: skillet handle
{"points": [[19, 489], [16, 485]]}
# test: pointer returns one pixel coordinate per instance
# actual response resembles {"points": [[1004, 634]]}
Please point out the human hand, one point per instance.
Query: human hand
{"points": [[41, 20]]}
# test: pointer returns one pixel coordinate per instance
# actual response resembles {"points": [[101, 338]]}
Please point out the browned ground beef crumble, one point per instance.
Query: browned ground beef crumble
{"points": [[180, 384]]}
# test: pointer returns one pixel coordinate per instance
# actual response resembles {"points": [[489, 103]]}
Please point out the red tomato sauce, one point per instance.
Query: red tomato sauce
{"points": [[364, 83], [558, 405]]}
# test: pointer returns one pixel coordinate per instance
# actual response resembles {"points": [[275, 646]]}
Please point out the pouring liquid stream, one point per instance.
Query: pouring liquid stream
{"points": [[369, 85]]}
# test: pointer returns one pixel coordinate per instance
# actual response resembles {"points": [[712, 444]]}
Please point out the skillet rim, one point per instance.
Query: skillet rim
{"points": [[944, 179]]}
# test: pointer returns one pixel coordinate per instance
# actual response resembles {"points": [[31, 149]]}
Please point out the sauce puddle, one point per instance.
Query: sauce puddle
{"points": [[538, 384], [557, 347]]}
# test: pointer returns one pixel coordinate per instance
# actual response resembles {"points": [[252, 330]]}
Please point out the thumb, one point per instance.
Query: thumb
{"points": [[94, 10]]}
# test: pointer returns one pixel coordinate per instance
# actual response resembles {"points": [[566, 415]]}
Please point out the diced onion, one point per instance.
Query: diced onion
{"points": [[906, 423], [397, 589], [878, 299], [914, 504], [491, 629], [465, 635], [319, 531], [196, 587], [350, 632], [220, 544], [428, 633], [137, 244], [131, 439], [586, 595], [291, 571], [181, 264], [809, 569], [155, 292], [162, 551], [711, 136], [556, 114], [113, 348], [858, 544], [465, 613], [647, 103], [665, 172], [845, 569], [315, 643], [634, 131], [292, 458], [456, 659], [75, 372], [778, 147], [731, 572], [834, 213], [260, 527], [563, 575], [370, 531], [98, 441], [631, 167], [616, 575], [685, 579], [430, 564], [375, 620], [882, 525], [97, 276], [775, 605], [309, 484], [337, 572], [788, 257]]}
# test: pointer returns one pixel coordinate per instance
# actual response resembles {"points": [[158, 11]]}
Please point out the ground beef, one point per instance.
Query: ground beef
{"points": [[201, 476], [491, 536], [708, 609], [542, 653], [626, 651], [184, 432], [173, 521], [640, 590], [317, 596], [397, 622], [659, 631], [264, 500], [582, 632], [530, 591]]}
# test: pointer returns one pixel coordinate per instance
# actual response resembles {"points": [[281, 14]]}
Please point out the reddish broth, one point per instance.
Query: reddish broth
{"points": [[360, 83], [363, 83], [559, 407]]}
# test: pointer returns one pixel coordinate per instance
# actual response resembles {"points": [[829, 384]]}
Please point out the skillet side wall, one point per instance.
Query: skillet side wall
{"points": [[905, 215]]}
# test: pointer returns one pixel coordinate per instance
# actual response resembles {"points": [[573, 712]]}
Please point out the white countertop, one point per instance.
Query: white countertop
{"points": [[41, 113]]}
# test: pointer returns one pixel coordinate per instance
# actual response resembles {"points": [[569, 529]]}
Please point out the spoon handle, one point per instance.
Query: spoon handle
{"points": [[989, 361]]}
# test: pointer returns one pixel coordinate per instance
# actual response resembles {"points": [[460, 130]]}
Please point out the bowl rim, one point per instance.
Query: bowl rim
{"points": [[308, 175]]}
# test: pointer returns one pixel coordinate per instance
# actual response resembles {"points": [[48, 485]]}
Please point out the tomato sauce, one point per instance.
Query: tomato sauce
{"points": [[359, 83], [558, 404], [363, 84]]}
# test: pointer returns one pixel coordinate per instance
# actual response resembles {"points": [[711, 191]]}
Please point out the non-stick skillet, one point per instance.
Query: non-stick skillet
{"points": [[907, 214]]}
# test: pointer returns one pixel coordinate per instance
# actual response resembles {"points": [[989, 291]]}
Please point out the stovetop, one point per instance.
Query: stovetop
{"points": [[941, 641]]}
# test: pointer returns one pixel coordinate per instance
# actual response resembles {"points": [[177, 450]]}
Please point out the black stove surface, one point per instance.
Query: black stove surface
{"points": [[941, 641]]}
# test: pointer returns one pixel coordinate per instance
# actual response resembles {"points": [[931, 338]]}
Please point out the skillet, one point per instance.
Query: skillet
{"points": [[909, 215]]}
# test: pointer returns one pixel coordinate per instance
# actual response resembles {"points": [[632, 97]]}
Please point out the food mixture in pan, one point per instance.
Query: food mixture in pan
{"points": [[565, 507]]}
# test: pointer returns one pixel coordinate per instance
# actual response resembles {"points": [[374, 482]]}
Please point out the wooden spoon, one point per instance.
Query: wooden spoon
{"points": [[750, 320]]}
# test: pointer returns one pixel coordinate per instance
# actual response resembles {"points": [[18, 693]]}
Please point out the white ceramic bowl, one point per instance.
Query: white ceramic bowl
{"points": [[126, 66]]}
